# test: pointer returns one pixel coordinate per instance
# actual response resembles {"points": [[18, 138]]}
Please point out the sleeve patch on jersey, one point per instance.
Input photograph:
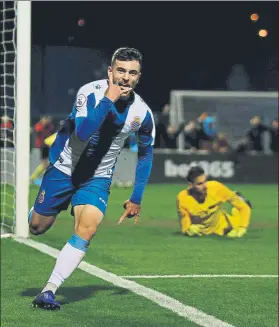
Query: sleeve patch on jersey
{"points": [[81, 99]]}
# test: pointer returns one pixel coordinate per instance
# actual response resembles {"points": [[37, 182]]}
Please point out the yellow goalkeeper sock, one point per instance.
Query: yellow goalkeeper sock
{"points": [[38, 171]]}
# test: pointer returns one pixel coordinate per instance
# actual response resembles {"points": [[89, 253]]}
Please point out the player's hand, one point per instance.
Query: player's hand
{"points": [[194, 230], [131, 210], [114, 91], [237, 232]]}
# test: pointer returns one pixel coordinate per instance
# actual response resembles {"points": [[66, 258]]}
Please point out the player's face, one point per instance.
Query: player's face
{"points": [[126, 74], [199, 185]]}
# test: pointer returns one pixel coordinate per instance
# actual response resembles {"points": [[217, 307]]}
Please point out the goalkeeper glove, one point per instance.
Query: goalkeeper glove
{"points": [[194, 230], [237, 232]]}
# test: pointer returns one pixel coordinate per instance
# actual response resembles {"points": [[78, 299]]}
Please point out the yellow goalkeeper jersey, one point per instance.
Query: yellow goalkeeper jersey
{"points": [[210, 213]]}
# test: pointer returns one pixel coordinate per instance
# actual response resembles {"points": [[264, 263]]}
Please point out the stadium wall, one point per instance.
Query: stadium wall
{"points": [[257, 169]]}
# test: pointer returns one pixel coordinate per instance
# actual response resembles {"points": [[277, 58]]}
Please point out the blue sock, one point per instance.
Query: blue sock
{"points": [[79, 243], [30, 214]]}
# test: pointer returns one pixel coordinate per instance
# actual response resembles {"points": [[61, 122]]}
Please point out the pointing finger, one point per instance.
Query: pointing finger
{"points": [[123, 217], [110, 78]]}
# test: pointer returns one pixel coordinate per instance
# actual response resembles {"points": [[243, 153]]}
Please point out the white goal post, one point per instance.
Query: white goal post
{"points": [[232, 109], [15, 104]]}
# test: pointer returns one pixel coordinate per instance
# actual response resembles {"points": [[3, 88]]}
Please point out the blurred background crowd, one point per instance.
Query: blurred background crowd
{"points": [[202, 135]]}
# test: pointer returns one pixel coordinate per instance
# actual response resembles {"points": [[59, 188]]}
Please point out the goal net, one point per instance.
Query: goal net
{"points": [[15, 116], [8, 57], [232, 110]]}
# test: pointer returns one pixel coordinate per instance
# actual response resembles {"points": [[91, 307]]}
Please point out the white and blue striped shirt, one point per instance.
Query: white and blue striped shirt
{"points": [[95, 132]]}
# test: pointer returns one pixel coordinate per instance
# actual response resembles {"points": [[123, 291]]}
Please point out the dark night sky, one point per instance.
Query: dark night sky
{"points": [[179, 40]]}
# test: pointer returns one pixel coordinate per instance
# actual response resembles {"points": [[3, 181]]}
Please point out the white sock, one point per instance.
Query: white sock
{"points": [[50, 287], [67, 261]]}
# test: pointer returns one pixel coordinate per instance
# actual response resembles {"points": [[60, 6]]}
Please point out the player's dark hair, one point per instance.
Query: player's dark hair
{"points": [[126, 54], [193, 173]]}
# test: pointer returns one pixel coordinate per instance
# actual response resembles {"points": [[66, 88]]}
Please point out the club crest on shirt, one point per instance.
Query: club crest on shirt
{"points": [[135, 124], [42, 196], [81, 99]]}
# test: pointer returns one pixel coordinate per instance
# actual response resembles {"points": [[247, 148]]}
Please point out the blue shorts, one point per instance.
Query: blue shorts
{"points": [[57, 192]]}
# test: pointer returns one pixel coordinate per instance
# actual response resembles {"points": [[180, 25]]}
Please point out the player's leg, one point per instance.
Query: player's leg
{"points": [[87, 220], [39, 224], [234, 216], [89, 206], [54, 196], [224, 224], [230, 221]]}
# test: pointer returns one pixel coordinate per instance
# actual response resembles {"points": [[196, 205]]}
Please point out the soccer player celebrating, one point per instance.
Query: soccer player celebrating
{"points": [[200, 208], [82, 162]]}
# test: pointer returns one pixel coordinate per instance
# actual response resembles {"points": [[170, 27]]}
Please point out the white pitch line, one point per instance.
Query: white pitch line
{"points": [[190, 313], [198, 276]]}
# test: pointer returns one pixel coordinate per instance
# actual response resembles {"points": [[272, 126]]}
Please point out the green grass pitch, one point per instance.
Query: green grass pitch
{"points": [[154, 247]]}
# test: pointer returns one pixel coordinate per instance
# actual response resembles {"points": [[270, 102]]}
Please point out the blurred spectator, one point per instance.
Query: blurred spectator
{"points": [[221, 144], [209, 126], [43, 129], [192, 136], [242, 147], [274, 141], [165, 115], [253, 141], [208, 131], [255, 134], [161, 121], [171, 136], [6, 132], [199, 135]]}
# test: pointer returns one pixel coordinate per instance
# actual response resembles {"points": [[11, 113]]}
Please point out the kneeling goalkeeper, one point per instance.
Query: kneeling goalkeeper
{"points": [[200, 208]]}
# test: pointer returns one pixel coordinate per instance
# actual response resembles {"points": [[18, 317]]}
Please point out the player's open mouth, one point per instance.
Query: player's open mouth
{"points": [[124, 85]]}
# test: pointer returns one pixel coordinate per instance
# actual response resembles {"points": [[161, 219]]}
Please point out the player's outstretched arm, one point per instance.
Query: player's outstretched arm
{"points": [[89, 116], [243, 208], [143, 170], [186, 226], [244, 216], [146, 136]]}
